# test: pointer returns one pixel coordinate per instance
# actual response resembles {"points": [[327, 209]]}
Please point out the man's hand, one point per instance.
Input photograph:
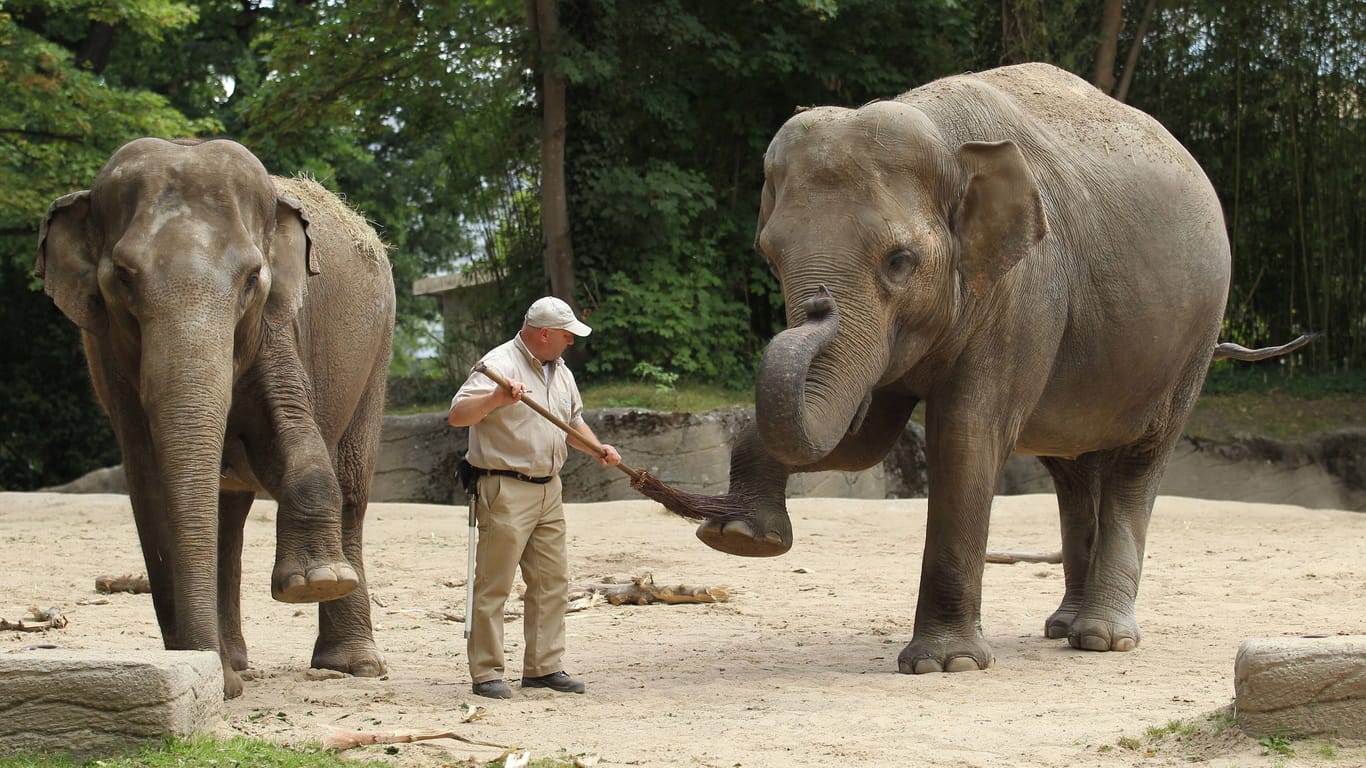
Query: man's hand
{"points": [[610, 457], [511, 393], [468, 411]]}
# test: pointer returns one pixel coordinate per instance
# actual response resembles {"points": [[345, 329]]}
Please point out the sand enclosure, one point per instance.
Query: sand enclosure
{"points": [[798, 667]]}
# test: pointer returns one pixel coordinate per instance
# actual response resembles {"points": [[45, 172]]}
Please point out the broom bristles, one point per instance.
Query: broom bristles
{"points": [[693, 506]]}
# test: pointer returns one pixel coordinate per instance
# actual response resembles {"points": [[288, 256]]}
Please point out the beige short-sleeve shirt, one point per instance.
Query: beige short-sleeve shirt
{"points": [[514, 437]]}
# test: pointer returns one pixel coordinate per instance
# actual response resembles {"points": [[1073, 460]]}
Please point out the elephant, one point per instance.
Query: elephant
{"points": [[1046, 269], [238, 330]]}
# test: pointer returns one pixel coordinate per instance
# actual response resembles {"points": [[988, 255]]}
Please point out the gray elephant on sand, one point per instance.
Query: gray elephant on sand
{"points": [[238, 330], [1046, 269]]}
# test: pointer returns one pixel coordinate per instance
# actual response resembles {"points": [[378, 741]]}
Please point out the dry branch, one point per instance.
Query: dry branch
{"points": [[125, 583], [1009, 558], [338, 739], [641, 590], [44, 619]]}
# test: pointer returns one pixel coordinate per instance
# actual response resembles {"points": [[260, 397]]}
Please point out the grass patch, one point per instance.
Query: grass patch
{"points": [[689, 398], [1215, 737], [654, 396], [242, 752], [200, 751], [1274, 415]]}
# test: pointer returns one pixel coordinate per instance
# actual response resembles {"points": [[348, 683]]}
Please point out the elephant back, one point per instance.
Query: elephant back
{"points": [[335, 227]]}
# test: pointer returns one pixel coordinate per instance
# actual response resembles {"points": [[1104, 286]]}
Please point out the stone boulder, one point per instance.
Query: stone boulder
{"points": [[85, 703], [1301, 686]]}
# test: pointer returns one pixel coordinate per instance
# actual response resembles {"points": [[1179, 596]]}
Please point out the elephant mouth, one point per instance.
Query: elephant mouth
{"points": [[856, 423]]}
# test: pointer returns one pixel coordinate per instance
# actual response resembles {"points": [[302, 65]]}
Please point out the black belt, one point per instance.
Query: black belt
{"points": [[518, 475]]}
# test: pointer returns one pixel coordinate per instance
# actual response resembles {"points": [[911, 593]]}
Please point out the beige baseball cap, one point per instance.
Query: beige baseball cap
{"points": [[551, 312]]}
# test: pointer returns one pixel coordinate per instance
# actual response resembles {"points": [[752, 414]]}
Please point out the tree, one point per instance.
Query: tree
{"points": [[543, 21], [1111, 24], [58, 124], [1268, 97], [673, 105]]}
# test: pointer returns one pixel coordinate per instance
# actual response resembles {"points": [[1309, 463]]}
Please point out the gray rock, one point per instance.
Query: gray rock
{"points": [[1299, 686], [86, 702]]}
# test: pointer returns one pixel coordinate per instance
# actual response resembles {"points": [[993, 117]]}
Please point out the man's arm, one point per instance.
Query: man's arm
{"points": [[611, 459], [472, 409]]}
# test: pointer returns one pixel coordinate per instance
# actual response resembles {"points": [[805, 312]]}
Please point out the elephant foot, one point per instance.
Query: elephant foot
{"points": [[969, 654], [235, 652], [292, 582], [1103, 635], [738, 537], [1060, 623], [361, 659], [232, 682]]}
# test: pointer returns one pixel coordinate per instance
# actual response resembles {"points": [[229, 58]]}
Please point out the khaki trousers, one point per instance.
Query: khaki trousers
{"points": [[520, 524]]}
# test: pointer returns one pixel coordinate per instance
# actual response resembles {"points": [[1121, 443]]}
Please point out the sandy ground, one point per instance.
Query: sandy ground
{"points": [[798, 668]]}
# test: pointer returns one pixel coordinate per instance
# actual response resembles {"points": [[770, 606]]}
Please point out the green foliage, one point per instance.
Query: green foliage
{"points": [[51, 428], [1267, 97], [1283, 376], [673, 104], [647, 392], [424, 116], [1278, 745], [59, 122], [202, 751]]}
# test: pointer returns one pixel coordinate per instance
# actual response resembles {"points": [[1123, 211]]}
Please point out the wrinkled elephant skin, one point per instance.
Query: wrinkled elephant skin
{"points": [[238, 330], [1045, 269]]}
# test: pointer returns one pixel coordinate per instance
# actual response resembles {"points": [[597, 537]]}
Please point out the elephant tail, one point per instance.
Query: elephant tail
{"points": [[1228, 351]]}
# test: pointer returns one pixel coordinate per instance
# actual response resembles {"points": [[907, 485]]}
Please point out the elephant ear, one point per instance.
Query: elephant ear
{"points": [[68, 262], [1000, 217], [291, 262], [765, 210]]}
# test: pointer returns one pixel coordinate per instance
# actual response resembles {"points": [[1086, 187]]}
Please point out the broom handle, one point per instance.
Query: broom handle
{"points": [[556, 420]]}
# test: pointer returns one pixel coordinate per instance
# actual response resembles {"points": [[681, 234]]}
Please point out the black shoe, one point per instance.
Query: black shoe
{"points": [[560, 681], [493, 689]]}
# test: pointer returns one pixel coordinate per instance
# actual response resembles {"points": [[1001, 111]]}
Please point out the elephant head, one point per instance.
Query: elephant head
{"points": [[883, 236]]}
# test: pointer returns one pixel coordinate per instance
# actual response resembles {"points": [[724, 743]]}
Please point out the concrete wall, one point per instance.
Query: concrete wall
{"points": [[691, 452]]}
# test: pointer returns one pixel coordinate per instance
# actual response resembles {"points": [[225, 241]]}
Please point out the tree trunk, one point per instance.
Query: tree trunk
{"points": [[1103, 77], [1016, 38], [543, 19], [1131, 60]]}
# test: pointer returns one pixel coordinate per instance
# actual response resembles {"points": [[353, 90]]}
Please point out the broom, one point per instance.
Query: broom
{"points": [[693, 506]]}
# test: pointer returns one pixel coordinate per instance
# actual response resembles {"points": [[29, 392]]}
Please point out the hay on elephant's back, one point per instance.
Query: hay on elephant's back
{"points": [[313, 196]]}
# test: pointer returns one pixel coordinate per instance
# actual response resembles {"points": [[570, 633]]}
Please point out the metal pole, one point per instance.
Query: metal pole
{"points": [[469, 571]]}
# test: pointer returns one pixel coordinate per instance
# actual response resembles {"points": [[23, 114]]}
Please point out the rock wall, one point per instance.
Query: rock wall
{"points": [[691, 452]]}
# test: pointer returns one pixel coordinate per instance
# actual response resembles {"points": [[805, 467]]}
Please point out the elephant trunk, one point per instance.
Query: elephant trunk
{"points": [[186, 383], [804, 408]]}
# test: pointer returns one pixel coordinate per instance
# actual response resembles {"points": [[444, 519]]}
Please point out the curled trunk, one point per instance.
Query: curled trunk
{"points": [[804, 409]]}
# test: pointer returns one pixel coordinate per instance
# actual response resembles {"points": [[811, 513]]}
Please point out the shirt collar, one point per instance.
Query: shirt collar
{"points": [[531, 359]]}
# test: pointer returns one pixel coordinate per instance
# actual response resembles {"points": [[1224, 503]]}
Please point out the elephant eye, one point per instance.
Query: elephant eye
{"points": [[252, 280], [900, 265]]}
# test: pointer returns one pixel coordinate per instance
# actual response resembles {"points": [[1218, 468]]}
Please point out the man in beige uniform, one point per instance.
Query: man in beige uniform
{"points": [[517, 454]]}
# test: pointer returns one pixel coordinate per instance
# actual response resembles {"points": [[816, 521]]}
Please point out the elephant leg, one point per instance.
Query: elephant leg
{"points": [[291, 459], [232, 517], [149, 513], [346, 639], [1077, 482], [1106, 620], [965, 460]]}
